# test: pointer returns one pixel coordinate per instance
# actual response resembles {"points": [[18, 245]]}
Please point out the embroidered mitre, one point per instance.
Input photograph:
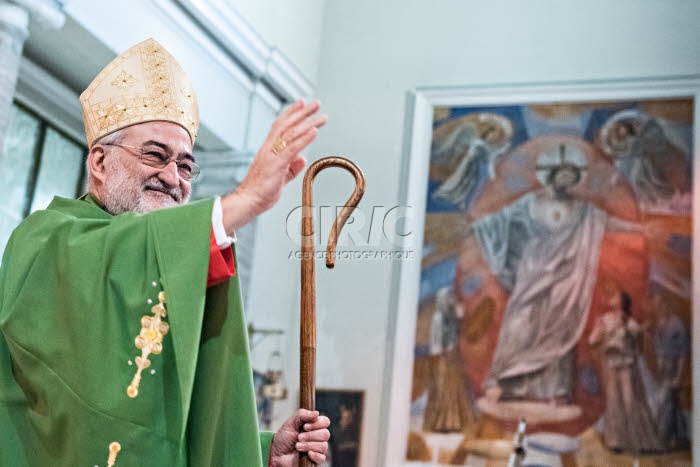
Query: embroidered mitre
{"points": [[143, 84]]}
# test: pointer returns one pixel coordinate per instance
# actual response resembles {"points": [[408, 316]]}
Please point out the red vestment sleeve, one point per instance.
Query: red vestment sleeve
{"points": [[221, 265]]}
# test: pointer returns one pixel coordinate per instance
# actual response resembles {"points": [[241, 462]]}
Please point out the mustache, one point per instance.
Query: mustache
{"points": [[158, 185]]}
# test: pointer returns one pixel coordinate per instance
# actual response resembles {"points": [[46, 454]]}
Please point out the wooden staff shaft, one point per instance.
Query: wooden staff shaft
{"points": [[307, 337]]}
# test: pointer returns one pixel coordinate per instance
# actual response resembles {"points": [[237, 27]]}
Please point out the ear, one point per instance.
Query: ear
{"points": [[96, 163]]}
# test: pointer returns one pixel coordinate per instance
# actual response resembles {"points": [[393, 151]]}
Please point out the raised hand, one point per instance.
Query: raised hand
{"points": [[277, 163]]}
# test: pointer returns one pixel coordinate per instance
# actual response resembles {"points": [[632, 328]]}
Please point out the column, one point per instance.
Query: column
{"points": [[14, 29]]}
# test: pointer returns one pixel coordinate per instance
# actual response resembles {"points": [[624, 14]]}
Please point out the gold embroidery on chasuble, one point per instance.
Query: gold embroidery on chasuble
{"points": [[114, 449], [149, 341]]}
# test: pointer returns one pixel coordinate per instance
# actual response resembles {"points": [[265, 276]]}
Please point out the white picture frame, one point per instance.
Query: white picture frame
{"points": [[421, 104]]}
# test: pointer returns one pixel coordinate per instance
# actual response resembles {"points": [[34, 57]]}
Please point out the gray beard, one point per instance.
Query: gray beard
{"points": [[126, 193]]}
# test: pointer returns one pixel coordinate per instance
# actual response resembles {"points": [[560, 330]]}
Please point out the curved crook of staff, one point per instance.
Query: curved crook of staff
{"points": [[307, 339]]}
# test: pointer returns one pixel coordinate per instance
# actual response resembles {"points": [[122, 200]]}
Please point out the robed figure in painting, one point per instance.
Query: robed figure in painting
{"points": [[629, 425], [672, 345], [449, 407], [543, 248]]}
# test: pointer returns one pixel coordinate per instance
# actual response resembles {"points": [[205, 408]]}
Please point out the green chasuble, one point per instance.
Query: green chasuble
{"points": [[75, 283]]}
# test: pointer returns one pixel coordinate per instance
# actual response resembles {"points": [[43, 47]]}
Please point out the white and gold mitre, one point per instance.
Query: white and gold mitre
{"points": [[143, 84]]}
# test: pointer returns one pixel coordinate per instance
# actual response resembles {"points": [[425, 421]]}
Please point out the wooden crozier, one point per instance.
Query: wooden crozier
{"points": [[307, 340]]}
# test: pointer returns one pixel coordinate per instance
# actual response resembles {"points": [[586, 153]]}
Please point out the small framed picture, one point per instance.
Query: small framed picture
{"points": [[345, 410]]}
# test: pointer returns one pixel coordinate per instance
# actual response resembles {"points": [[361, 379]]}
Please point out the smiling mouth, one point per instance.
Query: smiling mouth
{"points": [[161, 192]]}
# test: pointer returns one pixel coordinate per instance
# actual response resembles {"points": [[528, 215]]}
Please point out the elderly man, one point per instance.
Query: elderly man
{"points": [[123, 339]]}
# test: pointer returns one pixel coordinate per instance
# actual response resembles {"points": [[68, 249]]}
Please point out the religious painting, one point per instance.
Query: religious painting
{"points": [[555, 283], [344, 409]]}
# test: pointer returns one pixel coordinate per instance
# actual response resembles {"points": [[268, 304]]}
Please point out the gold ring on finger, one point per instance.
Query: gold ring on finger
{"points": [[279, 145]]}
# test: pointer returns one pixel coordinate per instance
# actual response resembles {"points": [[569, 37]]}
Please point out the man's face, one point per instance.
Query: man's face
{"points": [[565, 178], [131, 185]]}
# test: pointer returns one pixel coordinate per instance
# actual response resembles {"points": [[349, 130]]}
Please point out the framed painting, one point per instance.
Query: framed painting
{"points": [[345, 410], [555, 227]]}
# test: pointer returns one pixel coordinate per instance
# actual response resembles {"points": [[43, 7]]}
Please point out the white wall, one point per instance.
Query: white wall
{"points": [[372, 54], [223, 89], [292, 26], [223, 111]]}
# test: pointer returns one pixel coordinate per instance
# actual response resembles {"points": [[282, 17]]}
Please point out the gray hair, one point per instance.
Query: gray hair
{"points": [[110, 140]]}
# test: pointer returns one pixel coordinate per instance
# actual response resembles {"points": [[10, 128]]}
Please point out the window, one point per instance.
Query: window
{"points": [[39, 161]]}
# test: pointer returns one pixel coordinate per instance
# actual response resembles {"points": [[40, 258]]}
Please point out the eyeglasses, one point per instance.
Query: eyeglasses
{"points": [[156, 157]]}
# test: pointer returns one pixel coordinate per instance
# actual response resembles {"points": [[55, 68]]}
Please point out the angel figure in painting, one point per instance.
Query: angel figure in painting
{"points": [[472, 145], [643, 152]]}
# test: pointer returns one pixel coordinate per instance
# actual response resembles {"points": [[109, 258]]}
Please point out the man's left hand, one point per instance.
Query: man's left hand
{"points": [[306, 431]]}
